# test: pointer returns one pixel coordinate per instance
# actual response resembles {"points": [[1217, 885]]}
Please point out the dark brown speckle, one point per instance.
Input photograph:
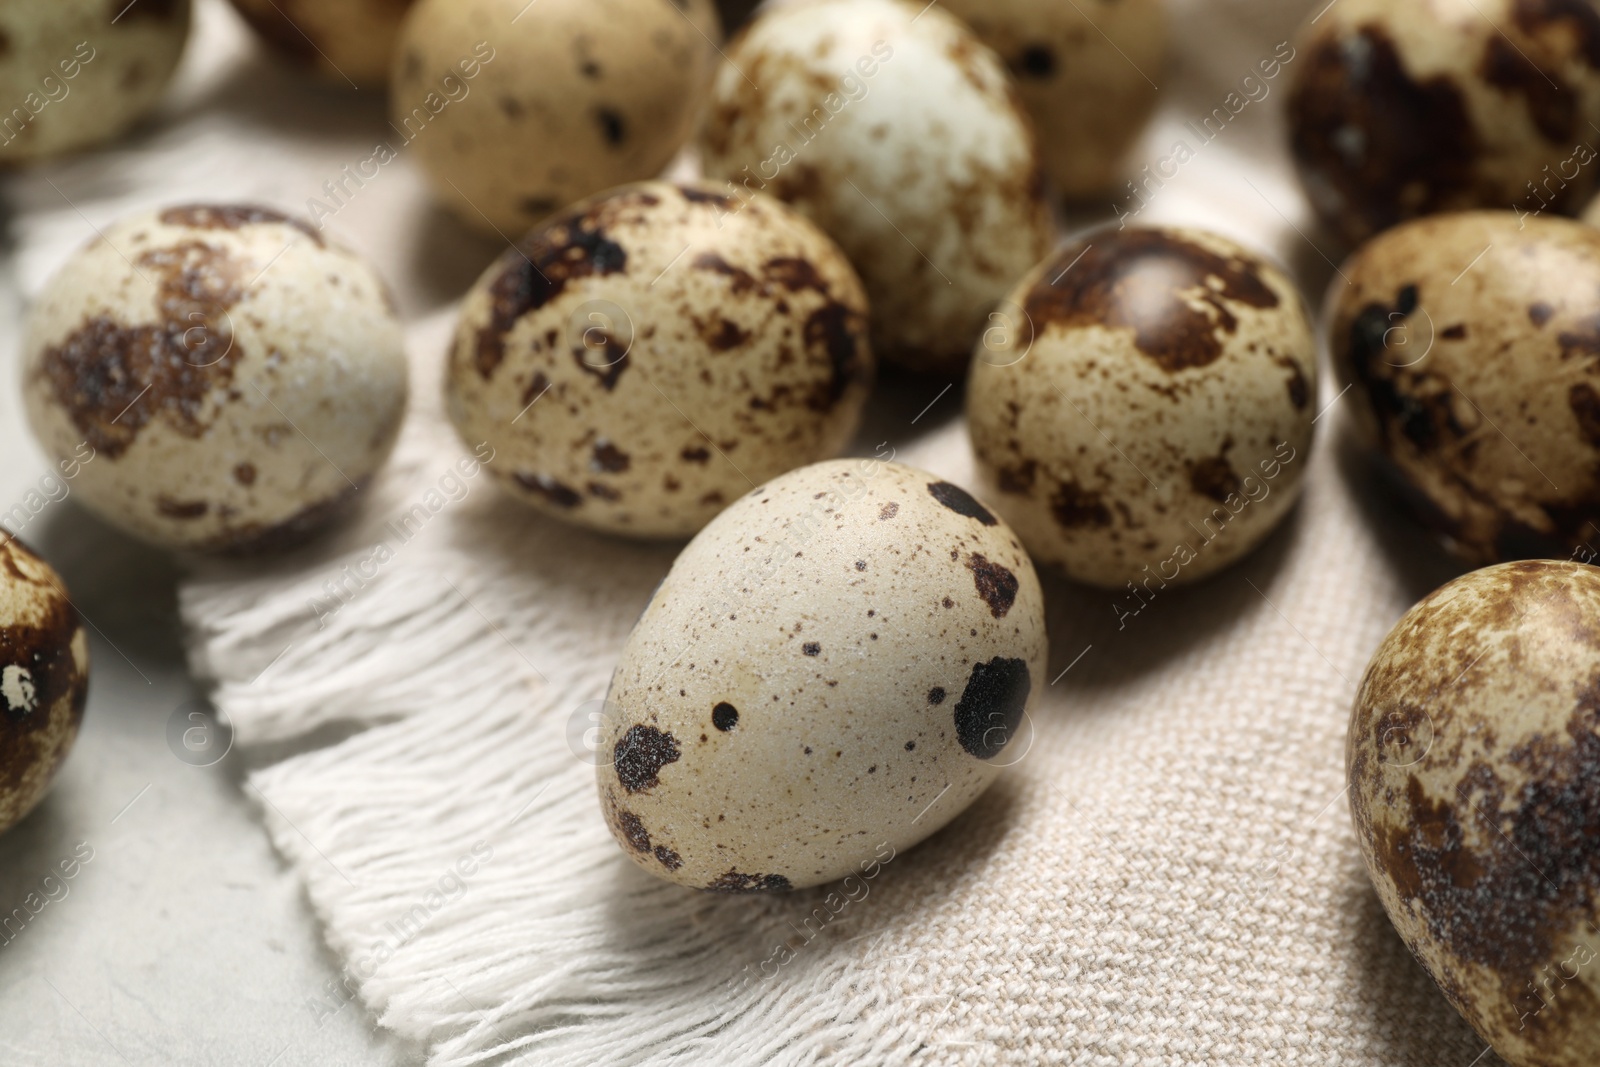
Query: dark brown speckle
{"points": [[639, 756]]}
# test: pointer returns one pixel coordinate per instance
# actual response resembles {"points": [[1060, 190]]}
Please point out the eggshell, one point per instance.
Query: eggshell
{"points": [[1142, 408], [1408, 109], [898, 132], [224, 378], [75, 73], [650, 355], [516, 110], [1470, 344], [347, 42], [833, 669], [1087, 73], [44, 678], [1474, 768]]}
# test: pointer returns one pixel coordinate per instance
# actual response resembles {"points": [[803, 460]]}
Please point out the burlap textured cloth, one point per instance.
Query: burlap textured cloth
{"points": [[1167, 877]]}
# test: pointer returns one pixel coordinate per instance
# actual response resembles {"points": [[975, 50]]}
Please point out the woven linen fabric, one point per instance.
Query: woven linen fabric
{"points": [[1167, 876]]}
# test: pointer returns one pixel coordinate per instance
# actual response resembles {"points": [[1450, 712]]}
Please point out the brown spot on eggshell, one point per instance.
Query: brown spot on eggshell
{"points": [[570, 246], [1215, 477], [696, 195], [182, 509], [609, 458], [961, 502], [235, 217], [1074, 507], [996, 584], [1150, 281], [114, 379], [992, 705], [740, 281], [1585, 404], [734, 882], [726, 334], [633, 831], [245, 474], [1550, 100], [1018, 478], [639, 756]]}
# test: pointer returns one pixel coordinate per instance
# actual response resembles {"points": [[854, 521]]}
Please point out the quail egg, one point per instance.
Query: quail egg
{"points": [[75, 73], [836, 667], [1141, 408], [1401, 110], [646, 357], [348, 42], [898, 132], [1087, 75], [515, 110], [1471, 343], [44, 678], [233, 377], [1474, 771]]}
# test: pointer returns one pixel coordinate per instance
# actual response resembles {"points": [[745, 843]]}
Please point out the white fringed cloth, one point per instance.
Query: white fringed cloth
{"points": [[1169, 876]]}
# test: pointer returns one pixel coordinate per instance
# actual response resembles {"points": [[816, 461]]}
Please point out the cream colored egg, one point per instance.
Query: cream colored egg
{"points": [[899, 133], [645, 358], [1471, 343], [516, 110], [1087, 73], [347, 42], [1399, 110], [832, 670], [44, 678], [75, 73], [1141, 412], [1474, 770], [224, 378]]}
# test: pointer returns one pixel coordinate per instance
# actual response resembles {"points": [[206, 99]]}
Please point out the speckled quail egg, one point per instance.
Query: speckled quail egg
{"points": [[1141, 408], [348, 42], [1474, 770], [833, 669], [44, 678], [1472, 345], [898, 132], [74, 73], [234, 377], [517, 110], [1401, 110], [645, 357], [1087, 74]]}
